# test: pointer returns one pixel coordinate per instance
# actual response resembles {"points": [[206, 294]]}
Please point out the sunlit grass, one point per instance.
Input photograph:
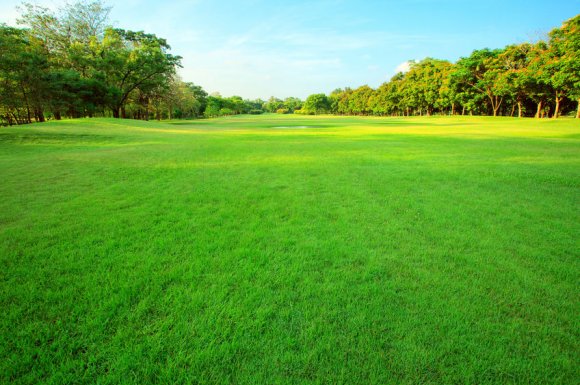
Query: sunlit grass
{"points": [[361, 250]]}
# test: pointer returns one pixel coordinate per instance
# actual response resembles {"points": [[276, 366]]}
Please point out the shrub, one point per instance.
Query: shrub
{"points": [[226, 112], [302, 111]]}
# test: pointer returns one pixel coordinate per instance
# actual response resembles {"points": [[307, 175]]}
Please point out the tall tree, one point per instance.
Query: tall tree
{"points": [[68, 32], [359, 100], [563, 62], [131, 61], [482, 72], [515, 78], [23, 74], [538, 81]]}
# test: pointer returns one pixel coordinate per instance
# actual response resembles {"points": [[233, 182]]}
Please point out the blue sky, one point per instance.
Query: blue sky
{"points": [[257, 48]]}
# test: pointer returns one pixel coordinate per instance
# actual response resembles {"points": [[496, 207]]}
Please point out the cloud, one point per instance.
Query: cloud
{"points": [[403, 67]]}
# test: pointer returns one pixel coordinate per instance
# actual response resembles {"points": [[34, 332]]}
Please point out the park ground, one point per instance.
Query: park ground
{"points": [[290, 250]]}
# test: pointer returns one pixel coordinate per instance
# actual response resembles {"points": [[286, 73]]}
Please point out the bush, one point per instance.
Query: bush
{"points": [[226, 112], [302, 111], [282, 111]]}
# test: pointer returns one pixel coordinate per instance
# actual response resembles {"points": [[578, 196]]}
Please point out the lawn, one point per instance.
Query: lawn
{"points": [[291, 250]]}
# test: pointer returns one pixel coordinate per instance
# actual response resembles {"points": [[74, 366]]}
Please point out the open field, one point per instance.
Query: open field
{"points": [[291, 250]]}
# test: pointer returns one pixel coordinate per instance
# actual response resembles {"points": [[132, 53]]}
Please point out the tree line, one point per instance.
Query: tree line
{"points": [[72, 63], [529, 79]]}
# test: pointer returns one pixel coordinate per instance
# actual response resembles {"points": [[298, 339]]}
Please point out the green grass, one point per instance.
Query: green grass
{"points": [[244, 251]]}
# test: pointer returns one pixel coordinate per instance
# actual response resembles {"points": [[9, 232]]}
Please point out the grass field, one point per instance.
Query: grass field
{"points": [[291, 250]]}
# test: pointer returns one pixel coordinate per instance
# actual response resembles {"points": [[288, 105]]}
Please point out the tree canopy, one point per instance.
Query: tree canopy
{"points": [[537, 79], [71, 62]]}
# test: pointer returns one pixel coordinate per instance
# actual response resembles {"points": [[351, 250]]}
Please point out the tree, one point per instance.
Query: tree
{"points": [[563, 62], [213, 107], [359, 100], [515, 78], [69, 33], [482, 72], [537, 79], [423, 83], [131, 61], [273, 104], [131, 66], [317, 104], [292, 104], [340, 101], [23, 70]]}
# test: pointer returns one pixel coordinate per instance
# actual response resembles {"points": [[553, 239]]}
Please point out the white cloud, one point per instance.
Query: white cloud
{"points": [[403, 67]]}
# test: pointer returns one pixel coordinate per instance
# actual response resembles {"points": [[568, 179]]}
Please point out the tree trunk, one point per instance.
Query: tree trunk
{"points": [[15, 118], [519, 109], [39, 115], [123, 113], [513, 110], [146, 110], [28, 116], [495, 103], [539, 110], [557, 110], [57, 115], [578, 110], [115, 113], [453, 109], [463, 111]]}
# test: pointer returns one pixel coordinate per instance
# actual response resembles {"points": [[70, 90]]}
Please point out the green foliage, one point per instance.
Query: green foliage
{"points": [[273, 104], [135, 61], [226, 112], [529, 77], [182, 101], [317, 104], [292, 104], [564, 61], [234, 105], [71, 62]]}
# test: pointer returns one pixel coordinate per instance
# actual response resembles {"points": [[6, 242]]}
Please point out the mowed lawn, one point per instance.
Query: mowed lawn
{"points": [[291, 250]]}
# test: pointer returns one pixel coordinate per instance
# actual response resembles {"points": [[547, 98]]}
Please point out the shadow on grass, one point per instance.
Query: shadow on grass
{"points": [[61, 138]]}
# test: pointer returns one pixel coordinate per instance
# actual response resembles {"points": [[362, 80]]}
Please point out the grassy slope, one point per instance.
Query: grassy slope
{"points": [[227, 251]]}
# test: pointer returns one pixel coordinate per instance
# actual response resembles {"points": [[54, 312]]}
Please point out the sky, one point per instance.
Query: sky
{"points": [[263, 48]]}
